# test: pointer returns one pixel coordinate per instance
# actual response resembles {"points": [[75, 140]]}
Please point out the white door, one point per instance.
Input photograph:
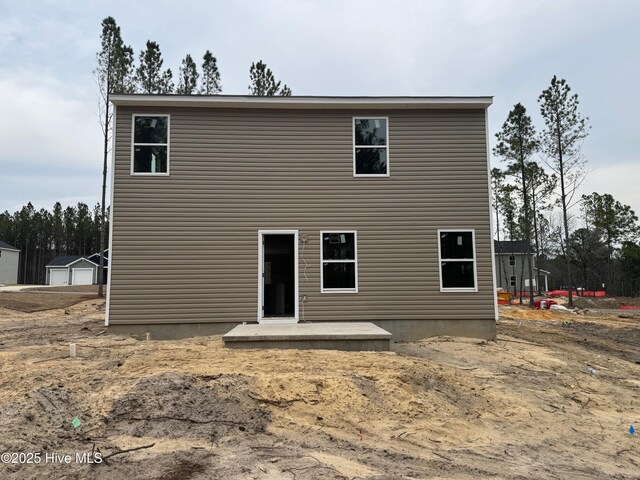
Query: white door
{"points": [[58, 276], [82, 276]]}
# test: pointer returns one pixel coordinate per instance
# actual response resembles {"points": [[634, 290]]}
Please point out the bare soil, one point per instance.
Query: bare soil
{"points": [[552, 398], [46, 298]]}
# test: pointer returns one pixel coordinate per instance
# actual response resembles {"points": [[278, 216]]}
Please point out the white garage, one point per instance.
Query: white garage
{"points": [[58, 276], [72, 270], [82, 276]]}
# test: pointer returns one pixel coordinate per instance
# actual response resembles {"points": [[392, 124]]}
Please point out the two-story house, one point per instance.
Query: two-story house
{"points": [[512, 267], [231, 209]]}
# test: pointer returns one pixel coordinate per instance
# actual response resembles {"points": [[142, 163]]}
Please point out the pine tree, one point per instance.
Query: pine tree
{"points": [[561, 141], [263, 82], [617, 222], [210, 75], [188, 81], [114, 72], [516, 143], [149, 75]]}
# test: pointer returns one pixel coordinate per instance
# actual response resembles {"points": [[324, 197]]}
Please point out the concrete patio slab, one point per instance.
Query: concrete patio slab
{"points": [[352, 336]]}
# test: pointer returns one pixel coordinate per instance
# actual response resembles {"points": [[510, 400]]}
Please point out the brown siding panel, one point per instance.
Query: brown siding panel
{"points": [[185, 246]]}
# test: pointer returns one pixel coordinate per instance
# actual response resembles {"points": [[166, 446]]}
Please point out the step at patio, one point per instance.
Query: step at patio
{"points": [[352, 336]]}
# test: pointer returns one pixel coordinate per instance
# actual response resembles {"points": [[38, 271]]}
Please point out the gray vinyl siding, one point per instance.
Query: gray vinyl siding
{"points": [[185, 246], [520, 270]]}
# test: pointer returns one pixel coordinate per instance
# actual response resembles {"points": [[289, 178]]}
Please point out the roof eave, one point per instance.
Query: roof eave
{"points": [[246, 101]]}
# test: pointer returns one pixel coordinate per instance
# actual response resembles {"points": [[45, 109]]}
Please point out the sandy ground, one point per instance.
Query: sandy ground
{"points": [[525, 406]]}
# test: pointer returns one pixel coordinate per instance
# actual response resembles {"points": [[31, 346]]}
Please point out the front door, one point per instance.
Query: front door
{"points": [[278, 277]]}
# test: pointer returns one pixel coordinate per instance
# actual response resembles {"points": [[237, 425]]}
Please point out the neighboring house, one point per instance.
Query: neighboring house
{"points": [[512, 266], [9, 259], [231, 209], [75, 269]]}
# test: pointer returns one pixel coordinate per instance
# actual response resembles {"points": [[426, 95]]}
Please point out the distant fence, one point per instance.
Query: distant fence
{"points": [[579, 293], [504, 297]]}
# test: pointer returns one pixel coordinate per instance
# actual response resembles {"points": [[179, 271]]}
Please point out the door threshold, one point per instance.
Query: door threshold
{"points": [[277, 320]]}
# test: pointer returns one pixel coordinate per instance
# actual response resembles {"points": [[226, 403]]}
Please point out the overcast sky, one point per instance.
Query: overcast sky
{"points": [[50, 146]]}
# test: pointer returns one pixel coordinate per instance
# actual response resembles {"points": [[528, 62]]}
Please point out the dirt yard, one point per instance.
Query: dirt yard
{"points": [[46, 298], [553, 398]]}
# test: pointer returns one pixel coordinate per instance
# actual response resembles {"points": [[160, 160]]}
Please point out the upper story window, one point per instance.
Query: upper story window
{"points": [[457, 260], [371, 147], [512, 260], [339, 262], [150, 145]]}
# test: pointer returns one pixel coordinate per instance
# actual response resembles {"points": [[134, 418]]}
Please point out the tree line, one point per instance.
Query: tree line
{"points": [[117, 73], [41, 235], [149, 75], [545, 170]]}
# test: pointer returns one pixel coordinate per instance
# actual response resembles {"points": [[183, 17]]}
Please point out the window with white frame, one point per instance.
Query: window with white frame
{"points": [[370, 146], [339, 257], [457, 260], [512, 260], [512, 281], [150, 144]]}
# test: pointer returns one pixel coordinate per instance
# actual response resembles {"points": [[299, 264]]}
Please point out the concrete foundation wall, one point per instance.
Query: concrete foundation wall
{"points": [[402, 330]]}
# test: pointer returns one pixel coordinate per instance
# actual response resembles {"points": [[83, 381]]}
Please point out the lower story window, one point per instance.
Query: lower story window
{"points": [[339, 262], [512, 281], [457, 260]]}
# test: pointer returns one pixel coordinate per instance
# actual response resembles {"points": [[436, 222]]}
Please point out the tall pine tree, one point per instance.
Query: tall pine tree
{"points": [[188, 81], [516, 143], [149, 75], [210, 75], [561, 141], [114, 72]]}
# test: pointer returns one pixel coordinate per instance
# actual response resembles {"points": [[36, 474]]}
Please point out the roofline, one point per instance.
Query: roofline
{"points": [[11, 249], [299, 102], [71, 263]]}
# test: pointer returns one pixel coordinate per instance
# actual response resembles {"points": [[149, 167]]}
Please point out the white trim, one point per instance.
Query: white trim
{"points": [[79, 259], [74, 270], [10, 249], [355, 261], [354, 146], [112, 182], [248, 101], [475, 260], [515, 285], [167, 144], [494, 272], [275, 320]]}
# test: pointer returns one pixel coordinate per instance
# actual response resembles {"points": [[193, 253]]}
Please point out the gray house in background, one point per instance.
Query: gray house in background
{"points": [[75, 269], [512, 268], [232, 209], [9, 260]]}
